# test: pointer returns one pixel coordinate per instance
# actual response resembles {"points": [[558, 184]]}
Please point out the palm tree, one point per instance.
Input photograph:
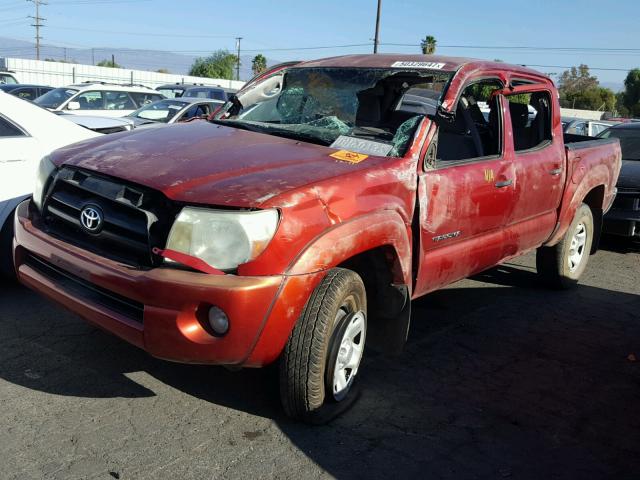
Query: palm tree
{"points": [[259, 64], [428, 45]]}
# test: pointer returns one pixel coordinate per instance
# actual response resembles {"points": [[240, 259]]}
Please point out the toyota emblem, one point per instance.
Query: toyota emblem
{"points": [[91, 219]]}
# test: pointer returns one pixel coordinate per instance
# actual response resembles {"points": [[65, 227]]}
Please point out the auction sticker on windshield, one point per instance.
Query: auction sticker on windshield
{"points": [[429, 65], [347, 156]]}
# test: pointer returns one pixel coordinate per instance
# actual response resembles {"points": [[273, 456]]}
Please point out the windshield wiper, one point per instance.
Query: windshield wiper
{"points": [[237, 124]]}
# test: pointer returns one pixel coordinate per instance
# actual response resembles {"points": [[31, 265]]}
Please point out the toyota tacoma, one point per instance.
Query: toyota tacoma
{"points": [[298, 222]]}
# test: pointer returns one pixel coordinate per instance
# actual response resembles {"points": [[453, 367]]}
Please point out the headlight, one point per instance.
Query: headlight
{"points": [[223, 239], [45, 170]]}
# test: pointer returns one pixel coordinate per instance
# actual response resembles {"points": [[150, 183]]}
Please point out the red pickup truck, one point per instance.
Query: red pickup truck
{"points": [[299, 221]]}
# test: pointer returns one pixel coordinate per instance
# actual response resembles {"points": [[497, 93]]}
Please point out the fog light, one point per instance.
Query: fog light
{"points": [[218, 321]]}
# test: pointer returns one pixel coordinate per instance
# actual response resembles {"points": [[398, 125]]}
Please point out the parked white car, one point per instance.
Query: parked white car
{"points": [[98, 99], [27, 133], [7, 78], [100, 124]]}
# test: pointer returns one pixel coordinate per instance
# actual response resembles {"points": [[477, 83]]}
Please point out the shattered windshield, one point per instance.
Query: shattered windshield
{"points": [[374, 110]]}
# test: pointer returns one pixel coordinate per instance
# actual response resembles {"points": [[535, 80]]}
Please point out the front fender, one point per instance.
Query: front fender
{"points": [[347, 239], [306, 271]]}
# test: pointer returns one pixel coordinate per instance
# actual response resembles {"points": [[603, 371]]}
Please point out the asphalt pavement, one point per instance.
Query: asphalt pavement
{"points": [[500, 378]]}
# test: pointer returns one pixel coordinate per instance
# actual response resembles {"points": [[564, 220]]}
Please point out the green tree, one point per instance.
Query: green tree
{"points": [[258, 64], [579, 89], [577, 79], [162, 70], [108, 63], [428, 45], [631, 95], [219, 64]]}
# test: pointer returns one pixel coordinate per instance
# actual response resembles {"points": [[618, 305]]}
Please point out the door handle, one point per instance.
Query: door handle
{"points": [[504, 183], [555, 171]]}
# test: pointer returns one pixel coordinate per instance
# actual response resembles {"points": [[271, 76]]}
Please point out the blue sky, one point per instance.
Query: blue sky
{"points": [[198, 27]]}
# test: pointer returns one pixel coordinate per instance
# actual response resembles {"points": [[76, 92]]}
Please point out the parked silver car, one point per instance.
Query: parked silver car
{"points": [[174, 110]]}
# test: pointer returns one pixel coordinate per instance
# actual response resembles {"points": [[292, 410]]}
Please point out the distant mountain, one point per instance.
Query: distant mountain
{"points": [[615, 86], [129, 58]]}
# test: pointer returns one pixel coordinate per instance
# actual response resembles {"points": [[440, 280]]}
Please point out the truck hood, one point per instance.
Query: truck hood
{"points": [[205, 163], [629, 174]]}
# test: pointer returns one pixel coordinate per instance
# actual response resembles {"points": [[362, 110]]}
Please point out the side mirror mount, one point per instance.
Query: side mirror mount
{"points": [[73, 106]]}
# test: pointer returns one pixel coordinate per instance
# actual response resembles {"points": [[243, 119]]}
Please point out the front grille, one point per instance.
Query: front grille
{"points": [[109, 130], [86, 290], [136, 219]]}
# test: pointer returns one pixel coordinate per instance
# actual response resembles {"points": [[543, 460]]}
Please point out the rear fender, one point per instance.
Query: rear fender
{"points": [[578, 187]]}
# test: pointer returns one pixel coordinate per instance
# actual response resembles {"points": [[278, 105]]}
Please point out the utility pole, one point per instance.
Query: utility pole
{"points": [[113, 60], [37, 22], [376, 39], [93, 56], [238, 39]]}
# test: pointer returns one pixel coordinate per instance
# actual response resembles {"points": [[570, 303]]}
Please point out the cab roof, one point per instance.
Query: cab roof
{"points": [[436, 62]]}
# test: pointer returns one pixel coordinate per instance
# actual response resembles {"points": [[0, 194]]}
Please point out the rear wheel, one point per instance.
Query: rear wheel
{"points": [[320, 362], [562, 265], [7, 271]]}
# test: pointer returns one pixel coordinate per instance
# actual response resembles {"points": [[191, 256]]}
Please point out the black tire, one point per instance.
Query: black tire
{"points": [[553, 263], [304, 389], [7, 270]]}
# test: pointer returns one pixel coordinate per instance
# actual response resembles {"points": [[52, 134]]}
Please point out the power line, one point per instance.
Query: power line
{"points": [[520, 47], [590, 68]]}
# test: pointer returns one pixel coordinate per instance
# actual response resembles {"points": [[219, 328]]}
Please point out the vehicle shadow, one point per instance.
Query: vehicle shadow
{"points": [[618, 244], [495, 381]]}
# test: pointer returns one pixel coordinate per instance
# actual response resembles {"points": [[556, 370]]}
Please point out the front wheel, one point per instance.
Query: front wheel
{"points": [[320, 362], [562, 265]]}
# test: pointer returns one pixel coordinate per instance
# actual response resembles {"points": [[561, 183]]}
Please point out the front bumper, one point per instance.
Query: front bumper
{"points": [[160, 310], [624, 217]]}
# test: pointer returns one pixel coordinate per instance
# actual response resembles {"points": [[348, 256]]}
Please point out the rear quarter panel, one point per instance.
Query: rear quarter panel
{"points": [[590, 165]]}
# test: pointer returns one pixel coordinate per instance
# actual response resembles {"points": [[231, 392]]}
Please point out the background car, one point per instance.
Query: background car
{"points": [[24, 91], [7, 78], [624, 216], [27, 133], [173, 110], [104, 125], [178, 90], [585, 127], [100, 99]]}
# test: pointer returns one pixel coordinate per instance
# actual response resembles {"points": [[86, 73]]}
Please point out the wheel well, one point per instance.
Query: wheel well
{"points": [[387, 295], [595, 200]]}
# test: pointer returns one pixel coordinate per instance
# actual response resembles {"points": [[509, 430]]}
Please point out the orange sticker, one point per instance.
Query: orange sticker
{"points": [[347, 156]]}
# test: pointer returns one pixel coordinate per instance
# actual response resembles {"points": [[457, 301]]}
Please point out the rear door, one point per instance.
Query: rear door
{"points": [[536, 149]]}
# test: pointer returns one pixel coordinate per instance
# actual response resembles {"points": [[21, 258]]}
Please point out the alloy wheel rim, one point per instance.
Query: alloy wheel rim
{"points": [[350, 352], [576, 249]]}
